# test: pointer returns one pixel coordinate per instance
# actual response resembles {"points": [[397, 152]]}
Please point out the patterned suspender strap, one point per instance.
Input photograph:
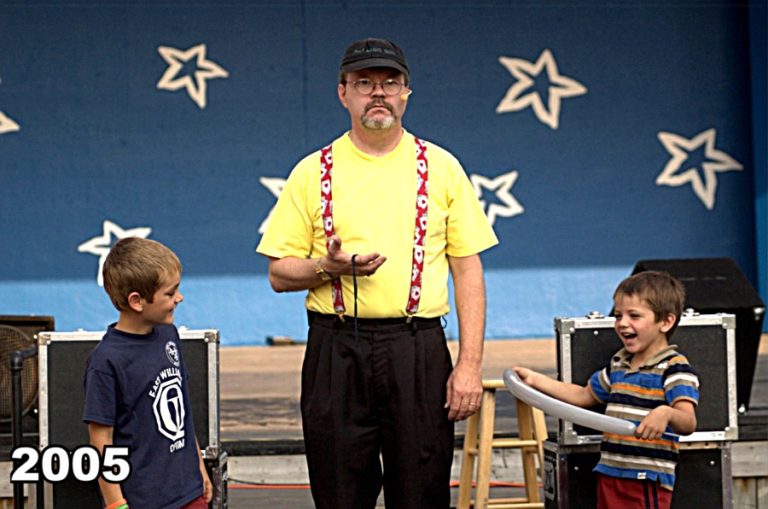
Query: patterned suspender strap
{"points": [[326, 204], [420, 229]]}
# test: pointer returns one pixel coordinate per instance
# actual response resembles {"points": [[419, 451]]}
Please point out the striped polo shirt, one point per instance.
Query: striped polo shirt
{"points": [[631, 394]]}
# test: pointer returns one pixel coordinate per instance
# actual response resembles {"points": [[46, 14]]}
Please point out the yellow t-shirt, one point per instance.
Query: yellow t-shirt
{"points": [[374, 210]]}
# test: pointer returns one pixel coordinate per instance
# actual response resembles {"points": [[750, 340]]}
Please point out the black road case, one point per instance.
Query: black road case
{"points": [[586, 344], [704, 477], [62, 358]]}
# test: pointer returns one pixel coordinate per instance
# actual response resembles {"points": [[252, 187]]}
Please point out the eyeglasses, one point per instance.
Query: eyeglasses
{"points": [[364, 86]]}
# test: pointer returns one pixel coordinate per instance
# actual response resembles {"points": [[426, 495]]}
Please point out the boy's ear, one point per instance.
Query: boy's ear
{"points": [[135, 302], [668, 322]]}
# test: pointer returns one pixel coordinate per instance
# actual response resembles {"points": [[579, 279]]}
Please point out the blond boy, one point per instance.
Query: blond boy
{"points": [[136, 390]]}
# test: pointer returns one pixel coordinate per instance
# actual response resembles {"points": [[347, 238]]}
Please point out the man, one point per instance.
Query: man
{"points": [[377, 379]]}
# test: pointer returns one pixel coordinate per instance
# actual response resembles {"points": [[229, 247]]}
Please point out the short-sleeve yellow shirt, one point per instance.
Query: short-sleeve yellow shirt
{"points": [[374, 210]]}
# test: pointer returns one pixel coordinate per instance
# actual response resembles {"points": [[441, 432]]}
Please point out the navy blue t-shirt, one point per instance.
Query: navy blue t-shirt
{"points": [[138, 385]]}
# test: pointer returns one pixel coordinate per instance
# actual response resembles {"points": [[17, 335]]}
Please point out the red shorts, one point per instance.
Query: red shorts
{"points": [[198, 503], [613, 492]]}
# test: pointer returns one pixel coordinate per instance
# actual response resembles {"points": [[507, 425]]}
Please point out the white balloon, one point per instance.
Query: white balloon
{"points": [[563, 410]]}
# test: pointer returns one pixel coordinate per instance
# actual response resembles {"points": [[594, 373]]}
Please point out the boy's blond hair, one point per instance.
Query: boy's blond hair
{"points": [[137, 265], [661, 292]]}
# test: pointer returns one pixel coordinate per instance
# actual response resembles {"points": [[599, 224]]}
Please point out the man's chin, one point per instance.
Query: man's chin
{"points": [[379, 124]]}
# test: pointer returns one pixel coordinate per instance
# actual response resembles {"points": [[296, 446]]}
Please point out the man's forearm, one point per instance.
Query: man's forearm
{"points": [[465, 386], [291, 274], [469, 295]]}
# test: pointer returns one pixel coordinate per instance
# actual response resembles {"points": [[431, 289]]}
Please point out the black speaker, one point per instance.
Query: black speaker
{"points": [[703, 477], [19, 332], [717, 285]]}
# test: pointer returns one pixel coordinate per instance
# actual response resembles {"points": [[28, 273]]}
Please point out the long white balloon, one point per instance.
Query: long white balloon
{"points": [[565, 411]]}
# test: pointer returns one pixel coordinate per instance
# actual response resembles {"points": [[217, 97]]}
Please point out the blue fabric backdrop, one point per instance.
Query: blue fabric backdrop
{"points": [[596, 134]]}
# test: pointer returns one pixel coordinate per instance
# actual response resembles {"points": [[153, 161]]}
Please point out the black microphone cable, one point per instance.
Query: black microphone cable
{"points": [[354, 286]]}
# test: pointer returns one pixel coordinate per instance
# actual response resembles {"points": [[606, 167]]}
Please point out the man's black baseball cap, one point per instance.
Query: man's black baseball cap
{"points": [[373, 53]]}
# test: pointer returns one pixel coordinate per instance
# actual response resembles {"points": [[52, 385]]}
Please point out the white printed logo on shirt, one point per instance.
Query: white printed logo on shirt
{"points": [[169, 410], [172, 352]]}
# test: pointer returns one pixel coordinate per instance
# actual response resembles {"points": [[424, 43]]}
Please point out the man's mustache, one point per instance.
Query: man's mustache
{"points": [[378, 104]]}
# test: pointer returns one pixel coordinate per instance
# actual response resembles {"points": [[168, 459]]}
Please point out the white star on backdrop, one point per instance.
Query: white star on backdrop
{"points": [[674, 174], [275, 186], [502, 187], [206, 70], [559, 87], [7, 125], [101, 244]]}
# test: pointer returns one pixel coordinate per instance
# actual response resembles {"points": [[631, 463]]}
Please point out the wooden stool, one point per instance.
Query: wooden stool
{"points": [[479, 441]]}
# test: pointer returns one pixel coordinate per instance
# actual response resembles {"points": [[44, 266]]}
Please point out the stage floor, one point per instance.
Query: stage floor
{"points": [[260, 407], [260, 385]]}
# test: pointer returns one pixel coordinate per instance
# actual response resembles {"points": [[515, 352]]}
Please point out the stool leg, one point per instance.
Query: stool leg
{"points": [[525, 429], [540, 432], [468, 463], [487, 414]]}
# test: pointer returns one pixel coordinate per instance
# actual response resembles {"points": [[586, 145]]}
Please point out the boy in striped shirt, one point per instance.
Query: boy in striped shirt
{"points": [[647, 382]]}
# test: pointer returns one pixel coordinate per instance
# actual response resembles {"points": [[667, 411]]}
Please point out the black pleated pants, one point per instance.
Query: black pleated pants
{"points": [[373, 413]]}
